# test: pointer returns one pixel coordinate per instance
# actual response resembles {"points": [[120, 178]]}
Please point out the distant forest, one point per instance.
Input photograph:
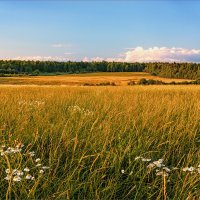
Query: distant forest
{"points": [[171, 70]]}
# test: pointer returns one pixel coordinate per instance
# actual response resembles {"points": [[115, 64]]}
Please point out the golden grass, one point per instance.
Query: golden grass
{"points": [[89, 135], [119, 78]]}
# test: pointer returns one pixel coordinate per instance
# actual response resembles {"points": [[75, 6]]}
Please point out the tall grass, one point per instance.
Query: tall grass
{"points": [[90, 137]]}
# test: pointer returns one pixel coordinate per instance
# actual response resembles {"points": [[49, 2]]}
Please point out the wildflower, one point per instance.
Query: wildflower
{"points": [[158, 163], [15, 171], [20, 173], [32, 178], [138, 157], [185, 169], [32, 153], [17, 178], [41, 171], [8, 177], [28, 177], [26, 169], [37, 160], [8, 151], [166, 169], [38, 165], [146, 159], [190, 169], [77, 109], [45, 167], [8, 171], [122, 171]]}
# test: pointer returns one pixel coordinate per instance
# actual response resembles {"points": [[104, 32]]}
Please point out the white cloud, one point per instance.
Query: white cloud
{"points": [[155, 54], [42, 58], [138, 54], [59, 45], [162, 54], [99, 59]]}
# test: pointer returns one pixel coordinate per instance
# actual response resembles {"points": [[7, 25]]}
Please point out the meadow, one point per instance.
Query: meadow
{"points": [[118, 78], [139, 142]]}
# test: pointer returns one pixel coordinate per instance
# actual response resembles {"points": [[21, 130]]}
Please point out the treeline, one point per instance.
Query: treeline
{"points": [[34, 67], [174, 70], [171, 70]]}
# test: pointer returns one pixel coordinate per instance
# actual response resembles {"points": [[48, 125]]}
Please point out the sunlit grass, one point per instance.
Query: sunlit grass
{"points": [[119, 78], [90, 137]]}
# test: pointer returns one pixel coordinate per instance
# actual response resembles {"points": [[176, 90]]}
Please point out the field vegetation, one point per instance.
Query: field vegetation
{"points": [[100, 142], [114, 78]]}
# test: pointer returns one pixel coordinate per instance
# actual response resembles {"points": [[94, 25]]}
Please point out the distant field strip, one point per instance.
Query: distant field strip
{"points": [[119, 78]]}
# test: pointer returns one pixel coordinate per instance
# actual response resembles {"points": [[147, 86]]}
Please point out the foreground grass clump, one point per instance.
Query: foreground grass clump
{"points": [[101, 142]]}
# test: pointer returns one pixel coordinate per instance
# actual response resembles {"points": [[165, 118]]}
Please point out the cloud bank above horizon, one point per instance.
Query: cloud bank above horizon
{"points": [[138, 54], [155, 54], [162, 54]]}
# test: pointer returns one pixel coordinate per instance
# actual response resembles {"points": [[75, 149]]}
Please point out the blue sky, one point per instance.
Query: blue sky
{"points": [[118, 30]]}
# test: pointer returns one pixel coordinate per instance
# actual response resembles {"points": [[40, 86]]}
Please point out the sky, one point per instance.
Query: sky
{"points": [[127, 31]]}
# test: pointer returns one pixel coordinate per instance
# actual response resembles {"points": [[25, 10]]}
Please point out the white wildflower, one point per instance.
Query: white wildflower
{"points": [[17, 178], [122, 171], [37, 160], [26, 169], [158, 163], [8, 171], [15, 171], [32, 153], [8, 177], [146, 159], [41, 171], [28, 177], [185, 169], [166, 169], [38, 165], [138, 157], [45, 167], [20, 173], [189, 169]]}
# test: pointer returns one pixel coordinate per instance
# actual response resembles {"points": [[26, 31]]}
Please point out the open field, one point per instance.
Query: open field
{"points": [[119, 78], [90, 138]]}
